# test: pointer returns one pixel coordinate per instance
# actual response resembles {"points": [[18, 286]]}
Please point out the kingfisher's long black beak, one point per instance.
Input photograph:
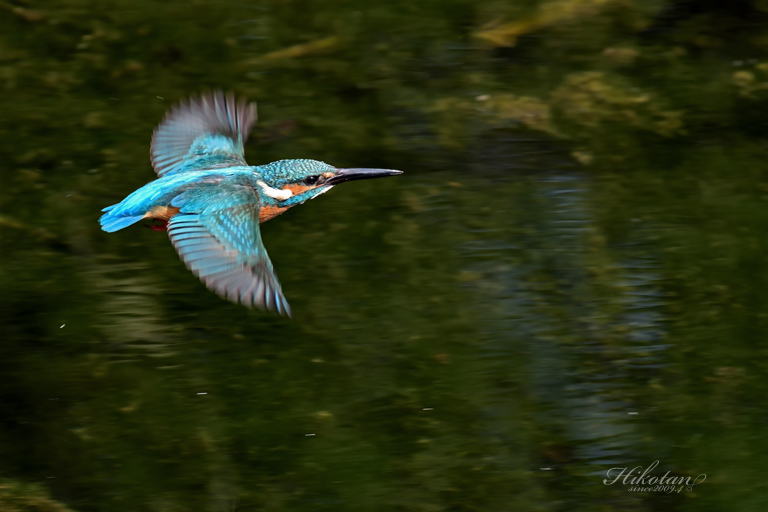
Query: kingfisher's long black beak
{"points": [[360, 174]]}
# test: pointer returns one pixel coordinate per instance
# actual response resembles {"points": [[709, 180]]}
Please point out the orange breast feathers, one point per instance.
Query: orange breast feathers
{"points": [[270, 212]]}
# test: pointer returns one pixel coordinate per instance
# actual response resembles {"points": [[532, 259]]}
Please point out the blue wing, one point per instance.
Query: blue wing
{"points": [[208, 132], [222, 246]]}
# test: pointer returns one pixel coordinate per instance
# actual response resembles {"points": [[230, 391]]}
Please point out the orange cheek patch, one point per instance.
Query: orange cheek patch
{"points": [[270, 212], [298, 189]]}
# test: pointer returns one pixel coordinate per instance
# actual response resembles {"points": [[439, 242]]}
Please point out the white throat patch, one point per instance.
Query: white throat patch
{"points": [[326, 189], [280, 195]]}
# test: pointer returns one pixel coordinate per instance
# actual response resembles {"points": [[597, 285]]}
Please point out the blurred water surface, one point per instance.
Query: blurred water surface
{"points": [[569, 277]]}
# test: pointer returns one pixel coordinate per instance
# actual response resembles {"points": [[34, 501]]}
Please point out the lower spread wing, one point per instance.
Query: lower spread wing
{"points": [[222, 246], [208, 132]]}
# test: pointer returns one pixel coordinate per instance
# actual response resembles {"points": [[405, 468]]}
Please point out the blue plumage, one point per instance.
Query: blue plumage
{"points": [[111, 223], [213, 201]]}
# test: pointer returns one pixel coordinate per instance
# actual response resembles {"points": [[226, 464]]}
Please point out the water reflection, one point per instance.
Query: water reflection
{"points": [[130, 312], [575, 318]]}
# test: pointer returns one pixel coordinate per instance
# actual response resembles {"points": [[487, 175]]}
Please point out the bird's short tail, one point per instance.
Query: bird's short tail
{"points": [[111, 223]]}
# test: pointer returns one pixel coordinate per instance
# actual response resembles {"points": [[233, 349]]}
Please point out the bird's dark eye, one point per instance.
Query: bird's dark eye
{"points": [[310, 180]]}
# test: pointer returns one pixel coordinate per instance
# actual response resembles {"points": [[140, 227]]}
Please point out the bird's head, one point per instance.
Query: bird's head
{"points": [[286, 183]]}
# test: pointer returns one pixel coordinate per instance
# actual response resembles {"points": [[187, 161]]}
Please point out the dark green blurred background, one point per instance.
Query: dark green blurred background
{"points": [[570, 276]]}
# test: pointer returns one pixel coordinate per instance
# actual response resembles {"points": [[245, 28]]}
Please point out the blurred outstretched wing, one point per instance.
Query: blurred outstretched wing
{"points": [[208, 132], [222, 246]]}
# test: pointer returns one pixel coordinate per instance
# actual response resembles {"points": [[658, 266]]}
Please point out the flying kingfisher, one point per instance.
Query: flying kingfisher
{"points": [[211, 201]]}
